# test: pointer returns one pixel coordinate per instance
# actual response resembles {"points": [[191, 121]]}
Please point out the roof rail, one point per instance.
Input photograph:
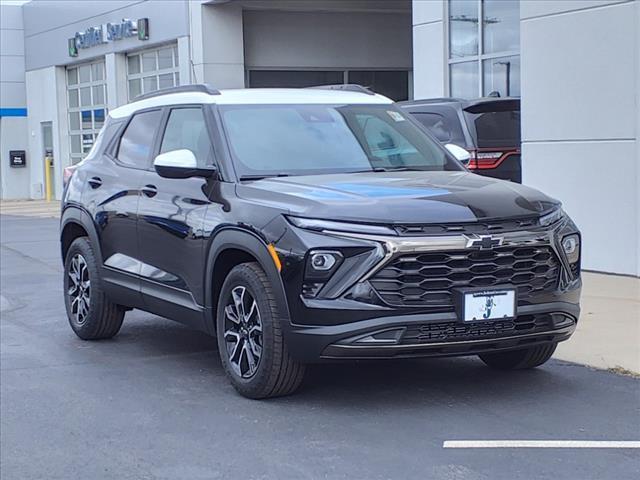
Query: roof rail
{"points": [[349, 87], [199, 87]]}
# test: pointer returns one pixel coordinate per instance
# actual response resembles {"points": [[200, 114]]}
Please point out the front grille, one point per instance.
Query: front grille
{"points": [[457, 331], [427, 279], [496, 226]]}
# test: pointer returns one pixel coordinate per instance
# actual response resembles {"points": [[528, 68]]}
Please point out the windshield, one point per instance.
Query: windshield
{"points": [[315, 139]]}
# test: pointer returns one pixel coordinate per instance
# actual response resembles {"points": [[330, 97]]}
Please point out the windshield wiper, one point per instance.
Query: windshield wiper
{"points": [[261, 177], [391, 169]]}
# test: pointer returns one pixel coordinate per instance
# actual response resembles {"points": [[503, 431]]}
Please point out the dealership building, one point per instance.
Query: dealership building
{"points": [[575, 64]]}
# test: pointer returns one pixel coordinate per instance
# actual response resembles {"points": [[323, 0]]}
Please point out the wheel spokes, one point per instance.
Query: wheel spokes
{"points": [[243, 332]]}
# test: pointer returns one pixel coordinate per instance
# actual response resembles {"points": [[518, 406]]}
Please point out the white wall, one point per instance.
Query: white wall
{"points": [[580, 120], [429, 49], [14, 182], [43, 106]]}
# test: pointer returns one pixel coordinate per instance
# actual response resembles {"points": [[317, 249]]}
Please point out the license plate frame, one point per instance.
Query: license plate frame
{"points": [[472, 304]]}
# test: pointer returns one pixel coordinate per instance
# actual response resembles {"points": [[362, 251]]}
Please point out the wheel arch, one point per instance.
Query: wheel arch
{"points": [[76, 223], [231, 247]]}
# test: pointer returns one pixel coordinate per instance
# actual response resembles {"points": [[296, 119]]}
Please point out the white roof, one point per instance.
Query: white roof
{"points": [[255, 96]]}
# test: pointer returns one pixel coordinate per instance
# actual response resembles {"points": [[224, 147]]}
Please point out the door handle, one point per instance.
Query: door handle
{"points": [[95, 182], [150, 190]]}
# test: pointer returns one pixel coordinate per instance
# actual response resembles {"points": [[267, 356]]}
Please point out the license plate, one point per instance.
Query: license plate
{"points": [[489, 305]]}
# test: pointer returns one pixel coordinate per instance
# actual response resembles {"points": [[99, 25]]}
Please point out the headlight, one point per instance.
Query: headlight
{"points": [[571, 247], [329, 225], [552, 217]]}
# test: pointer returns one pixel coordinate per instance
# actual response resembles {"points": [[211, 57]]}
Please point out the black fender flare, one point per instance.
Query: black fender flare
{"points": [[249, 242], [79, 216]]}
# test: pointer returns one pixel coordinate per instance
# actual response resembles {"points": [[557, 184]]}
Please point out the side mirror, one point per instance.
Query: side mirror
{"points": [[460, 153], [180, 164]]}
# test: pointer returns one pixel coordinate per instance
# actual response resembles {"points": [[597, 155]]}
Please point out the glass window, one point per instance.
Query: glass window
{"points": [[149, 62], [307, 139], [152, 69], [463, 28], [165, 58], [293, 79], [502, 75], [74, 101], [133, 64], [74, 121], [86, 94], [497, 129], [446, 130], [464, 79], [86, 120], [135, 88], [98, 94], [501, 20], [135, 144], [392, 84], [500, 33], [85, 73], [186, 128], [150, 84], [72, 76], [97, 71], [165, 80]]}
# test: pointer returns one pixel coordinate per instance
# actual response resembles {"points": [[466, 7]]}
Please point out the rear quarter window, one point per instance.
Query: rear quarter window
{"points": [[443, 124], [496, 129]]}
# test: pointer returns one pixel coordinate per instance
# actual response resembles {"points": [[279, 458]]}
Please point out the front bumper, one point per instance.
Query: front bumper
{"points": [[345, 341]]}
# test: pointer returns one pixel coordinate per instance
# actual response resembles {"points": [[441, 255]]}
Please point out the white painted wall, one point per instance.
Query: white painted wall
{"points": [[14, 182], [429, 49], [43, 106], [580, 120]]}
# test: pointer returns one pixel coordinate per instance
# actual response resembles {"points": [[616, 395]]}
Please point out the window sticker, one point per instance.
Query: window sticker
{"points": [[396, 116]]}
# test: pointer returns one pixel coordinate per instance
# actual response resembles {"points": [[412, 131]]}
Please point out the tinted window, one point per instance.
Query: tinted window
{"points": [[446, 128], [137, 140], [309, 139], [186, 129], [497, 129]]}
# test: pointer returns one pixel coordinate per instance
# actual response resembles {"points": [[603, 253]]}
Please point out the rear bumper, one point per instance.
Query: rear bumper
{"points": [[352, 340]]}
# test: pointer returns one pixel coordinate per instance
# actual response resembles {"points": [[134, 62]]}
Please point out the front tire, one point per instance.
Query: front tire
{"points": [[250, 341], [519, 359], [91, 314]]}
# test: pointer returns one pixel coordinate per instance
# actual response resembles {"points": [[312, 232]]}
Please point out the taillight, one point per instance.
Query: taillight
{"points": [[481, 160]]}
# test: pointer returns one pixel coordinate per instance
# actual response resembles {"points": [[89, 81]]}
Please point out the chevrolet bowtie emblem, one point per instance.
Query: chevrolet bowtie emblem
{"points": [[483, 242]]}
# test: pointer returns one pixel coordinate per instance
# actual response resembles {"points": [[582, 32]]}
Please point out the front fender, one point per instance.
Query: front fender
{"points": [[249, 242]]}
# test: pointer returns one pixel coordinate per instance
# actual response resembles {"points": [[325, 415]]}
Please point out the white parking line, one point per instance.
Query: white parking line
{"points": [[540, 444]]}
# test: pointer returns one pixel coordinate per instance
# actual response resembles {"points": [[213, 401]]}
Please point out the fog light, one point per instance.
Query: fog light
{"points": [[571, 247], [323, 261]]}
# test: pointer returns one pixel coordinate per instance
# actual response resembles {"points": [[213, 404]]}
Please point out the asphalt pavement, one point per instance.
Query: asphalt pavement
{"points": [[153, 403]]}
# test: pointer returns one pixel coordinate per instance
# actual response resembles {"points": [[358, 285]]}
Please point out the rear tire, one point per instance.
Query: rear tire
{"points": [[519, 359], [250, 341], [91, 314]]}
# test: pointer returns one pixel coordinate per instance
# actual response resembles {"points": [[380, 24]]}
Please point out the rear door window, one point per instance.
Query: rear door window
{"points": [[137, 140]]}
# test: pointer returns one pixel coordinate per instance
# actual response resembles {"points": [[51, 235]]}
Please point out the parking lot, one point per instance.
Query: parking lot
{"points": [[154, 403]]}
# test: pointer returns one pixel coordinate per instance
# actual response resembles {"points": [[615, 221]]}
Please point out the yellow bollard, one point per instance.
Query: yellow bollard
{"points": [[48, 164]]}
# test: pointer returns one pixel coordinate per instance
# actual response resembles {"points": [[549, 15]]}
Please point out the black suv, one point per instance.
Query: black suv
{"points": [[306, 225], [489, 128]]}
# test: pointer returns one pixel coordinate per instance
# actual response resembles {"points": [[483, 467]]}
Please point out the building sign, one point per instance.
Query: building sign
{"points": [[17, 158], [107, 33]]}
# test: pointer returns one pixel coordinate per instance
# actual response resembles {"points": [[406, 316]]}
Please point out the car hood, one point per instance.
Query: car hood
{"points": [[398, 197]]}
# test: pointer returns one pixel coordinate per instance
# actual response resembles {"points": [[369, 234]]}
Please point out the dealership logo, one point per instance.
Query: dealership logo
{"points": [[483, 242], [108, 32]]}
